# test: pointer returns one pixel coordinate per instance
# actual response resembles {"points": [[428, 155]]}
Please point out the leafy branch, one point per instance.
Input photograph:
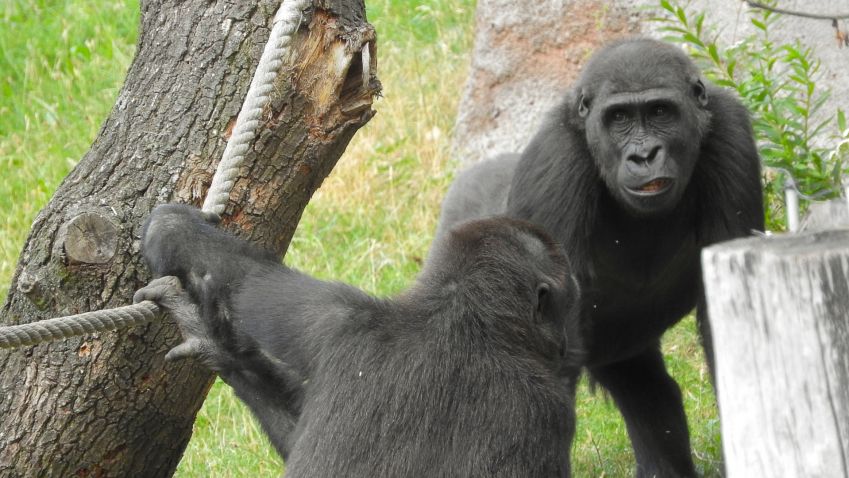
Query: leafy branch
{"points": [[778, 84]]}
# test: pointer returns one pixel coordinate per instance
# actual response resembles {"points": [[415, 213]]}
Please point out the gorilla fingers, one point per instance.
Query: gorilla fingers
{"points": [[168, 293], [212, 339]]}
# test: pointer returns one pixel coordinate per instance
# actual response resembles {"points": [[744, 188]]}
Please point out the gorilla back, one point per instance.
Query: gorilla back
{"points": [[641, 166], [465, 374]]}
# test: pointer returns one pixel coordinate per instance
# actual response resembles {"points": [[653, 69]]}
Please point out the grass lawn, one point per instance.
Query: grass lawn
{"points": [[61, 65]]}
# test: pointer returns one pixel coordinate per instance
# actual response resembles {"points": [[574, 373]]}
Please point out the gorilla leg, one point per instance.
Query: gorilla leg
{"points": [[650, 402], [707, 337]]}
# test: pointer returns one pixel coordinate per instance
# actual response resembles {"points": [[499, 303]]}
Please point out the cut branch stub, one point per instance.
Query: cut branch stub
{"points": [[29, 284], [323, 93], [89, 238], [336, 82]]}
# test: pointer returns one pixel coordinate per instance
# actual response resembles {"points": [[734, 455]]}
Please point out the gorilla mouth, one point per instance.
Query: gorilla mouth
{"points": [[653, 187]]}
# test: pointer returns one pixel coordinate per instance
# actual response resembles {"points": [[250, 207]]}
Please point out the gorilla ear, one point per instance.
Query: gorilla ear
{"points": [[543, 294], [583, 106], [700, 92]]}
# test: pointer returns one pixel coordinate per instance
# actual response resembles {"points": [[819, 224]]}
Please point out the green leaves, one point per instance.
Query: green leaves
{"points": [[714, 53], [777, 81]]}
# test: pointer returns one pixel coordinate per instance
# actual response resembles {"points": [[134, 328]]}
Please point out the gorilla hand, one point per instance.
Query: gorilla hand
{"points": [[169, 295]]}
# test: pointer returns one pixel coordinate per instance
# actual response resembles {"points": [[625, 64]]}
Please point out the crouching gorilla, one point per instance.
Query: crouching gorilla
{"points": [[641, 166], [468, 373]]}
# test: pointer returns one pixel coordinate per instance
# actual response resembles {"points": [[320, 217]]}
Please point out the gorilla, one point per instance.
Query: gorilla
{"points": [[640, 166], [470, 372]]}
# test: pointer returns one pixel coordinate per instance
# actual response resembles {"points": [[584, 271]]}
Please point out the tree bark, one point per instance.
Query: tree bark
{"points": [[779, 310], [107, 404]]}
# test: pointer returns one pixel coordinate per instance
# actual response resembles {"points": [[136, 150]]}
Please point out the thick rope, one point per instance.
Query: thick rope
{"points": [[80, 324], [286, 23]]}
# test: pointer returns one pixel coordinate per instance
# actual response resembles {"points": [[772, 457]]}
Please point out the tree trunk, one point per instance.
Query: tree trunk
{"points": [[779, 310], [526, 55], [107, 404]]}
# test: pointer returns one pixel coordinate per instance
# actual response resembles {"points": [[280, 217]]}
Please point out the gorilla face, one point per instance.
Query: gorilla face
{"points": [[645, 132]]}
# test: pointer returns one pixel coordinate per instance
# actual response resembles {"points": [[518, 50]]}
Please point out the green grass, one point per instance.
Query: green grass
{"points": [[61, 65]]}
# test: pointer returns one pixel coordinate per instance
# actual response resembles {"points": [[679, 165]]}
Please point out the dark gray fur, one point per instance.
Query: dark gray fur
{"points": [[636, 254], [479, 192], [470, 372]]}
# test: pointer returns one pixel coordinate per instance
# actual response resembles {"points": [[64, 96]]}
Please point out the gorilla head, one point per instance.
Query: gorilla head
{"points": [[644, 111], [473, 261]]}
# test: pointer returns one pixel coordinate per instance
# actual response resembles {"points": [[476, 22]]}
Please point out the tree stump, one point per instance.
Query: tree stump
{"points": [[107, 404], [779, 310]]}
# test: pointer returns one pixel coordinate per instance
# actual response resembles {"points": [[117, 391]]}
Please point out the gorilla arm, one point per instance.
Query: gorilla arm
{"points": [[270, 388], [556, 183], [257, 323], [728, 178], [728, 174]]}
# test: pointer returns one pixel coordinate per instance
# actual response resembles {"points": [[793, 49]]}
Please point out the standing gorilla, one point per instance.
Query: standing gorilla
{"points": [[634, 173], [468, 373]]}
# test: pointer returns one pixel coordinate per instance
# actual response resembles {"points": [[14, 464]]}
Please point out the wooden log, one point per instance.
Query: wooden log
{"points": [[779, 312]]}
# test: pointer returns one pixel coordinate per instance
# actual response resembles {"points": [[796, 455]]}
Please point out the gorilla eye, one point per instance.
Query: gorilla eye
{"points": [[619, 116], [659, 111]]}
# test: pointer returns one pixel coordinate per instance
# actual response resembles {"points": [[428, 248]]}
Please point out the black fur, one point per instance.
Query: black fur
{"points": [[635, 252], [468, 373]]}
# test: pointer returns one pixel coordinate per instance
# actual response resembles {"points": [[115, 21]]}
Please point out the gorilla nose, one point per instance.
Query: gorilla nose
{"points": [[644, 156]]}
